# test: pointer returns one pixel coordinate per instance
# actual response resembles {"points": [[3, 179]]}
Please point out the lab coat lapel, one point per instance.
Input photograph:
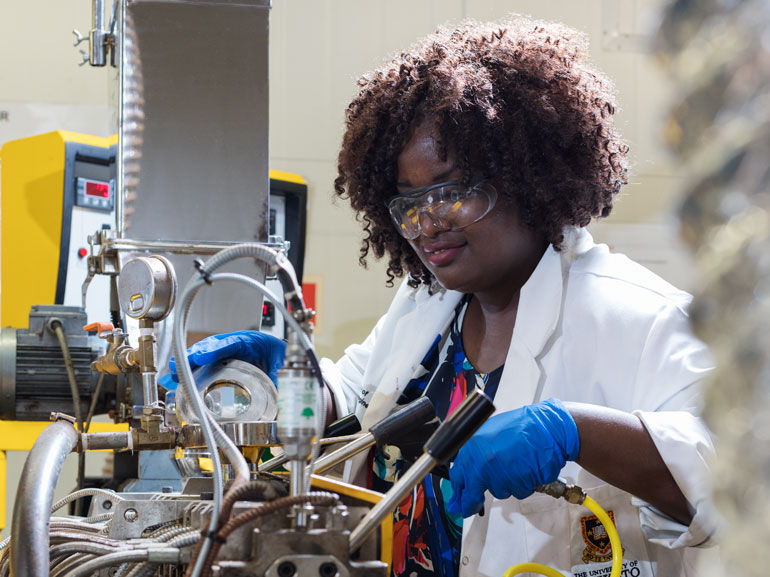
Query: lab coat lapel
{"points": [[537, 322], [413, 334], [537, 319], [393, 367]]}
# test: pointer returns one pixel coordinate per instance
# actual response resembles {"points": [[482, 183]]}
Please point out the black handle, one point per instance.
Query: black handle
{"points": [[347, 425], [460, 425], [403, 423]]}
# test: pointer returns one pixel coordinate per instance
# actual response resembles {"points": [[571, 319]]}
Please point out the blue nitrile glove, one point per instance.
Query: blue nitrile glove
{"points": [[511, 454], [260, 349]]}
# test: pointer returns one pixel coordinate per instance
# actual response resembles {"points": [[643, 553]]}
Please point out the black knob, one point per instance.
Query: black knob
{"points": [[460, 425], [347, 425]]}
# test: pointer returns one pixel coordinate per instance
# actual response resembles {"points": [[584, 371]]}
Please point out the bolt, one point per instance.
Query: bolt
{"points": [[107, 505], [327, 569], [286, 569], [130, 515]]}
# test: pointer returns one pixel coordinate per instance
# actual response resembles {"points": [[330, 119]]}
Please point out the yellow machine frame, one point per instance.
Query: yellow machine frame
{"points": [[32, 191]]}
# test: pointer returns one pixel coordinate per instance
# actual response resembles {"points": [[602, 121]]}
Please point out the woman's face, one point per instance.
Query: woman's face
{"points": [[496, 254]]}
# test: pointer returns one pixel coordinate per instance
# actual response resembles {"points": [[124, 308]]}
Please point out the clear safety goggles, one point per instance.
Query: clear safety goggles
{"points": [[449, 206]]}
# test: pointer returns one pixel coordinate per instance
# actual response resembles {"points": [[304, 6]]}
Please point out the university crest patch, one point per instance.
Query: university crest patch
{"points": [[595, 536]]}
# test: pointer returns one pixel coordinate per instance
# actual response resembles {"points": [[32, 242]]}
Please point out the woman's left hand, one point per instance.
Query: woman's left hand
{"points": [[512, 454]]}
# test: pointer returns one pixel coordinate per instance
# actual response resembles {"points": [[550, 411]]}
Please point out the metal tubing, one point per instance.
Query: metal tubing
{"points": [[101, 441], [414, 475], [276, 462], [119, 192], [177, 246], [297, 484], [98, 32], [150, 389], [343, 453], [32, 510]]}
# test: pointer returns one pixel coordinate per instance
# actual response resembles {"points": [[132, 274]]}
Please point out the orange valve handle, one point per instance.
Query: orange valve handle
{"points": [[99, 328]]}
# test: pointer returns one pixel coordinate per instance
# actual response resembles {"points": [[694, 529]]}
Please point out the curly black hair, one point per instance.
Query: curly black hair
{"points": [[517, 100]]}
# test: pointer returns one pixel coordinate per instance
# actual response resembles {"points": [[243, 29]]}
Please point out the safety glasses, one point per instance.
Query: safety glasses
{"points": [[448, 205]]}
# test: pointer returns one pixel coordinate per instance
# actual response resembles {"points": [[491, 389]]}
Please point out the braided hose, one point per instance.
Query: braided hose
{"points": [[70, 562], [89, 567], [106, 493]]}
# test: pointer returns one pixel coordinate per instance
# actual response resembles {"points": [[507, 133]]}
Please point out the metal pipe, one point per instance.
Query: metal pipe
{"points": [[120, 44], [448, 438], [343, 453], [413, 476], [276, 462], [32, 510], [101, 441], [177, 246], [98, 33], [150, 389]]}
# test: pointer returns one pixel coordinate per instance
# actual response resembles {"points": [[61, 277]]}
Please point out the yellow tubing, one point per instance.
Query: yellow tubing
{"points": [[532, 568], [612, 532]]}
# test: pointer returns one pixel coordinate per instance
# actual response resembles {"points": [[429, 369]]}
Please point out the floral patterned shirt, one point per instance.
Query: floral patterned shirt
{"points": [[426, 537]]}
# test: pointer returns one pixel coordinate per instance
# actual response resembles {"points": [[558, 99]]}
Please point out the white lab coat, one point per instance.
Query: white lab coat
{"points": [[592, 327]]}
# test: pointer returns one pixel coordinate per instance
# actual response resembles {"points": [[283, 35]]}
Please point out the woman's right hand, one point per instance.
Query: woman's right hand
{"points": [[260, 349]]}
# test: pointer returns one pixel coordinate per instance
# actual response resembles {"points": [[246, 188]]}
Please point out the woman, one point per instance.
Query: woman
{"points": [[474, 159]]}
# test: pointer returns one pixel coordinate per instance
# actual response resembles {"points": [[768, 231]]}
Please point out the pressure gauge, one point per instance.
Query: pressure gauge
{"points": [[147, 287]]}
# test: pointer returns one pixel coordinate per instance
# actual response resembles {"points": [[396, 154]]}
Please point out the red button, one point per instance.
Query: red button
{"points": [[82, 253]]}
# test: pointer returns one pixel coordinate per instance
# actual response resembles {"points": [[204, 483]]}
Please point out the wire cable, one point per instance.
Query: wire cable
{"points": [[58, 329], [187, 385], [92, 407]]}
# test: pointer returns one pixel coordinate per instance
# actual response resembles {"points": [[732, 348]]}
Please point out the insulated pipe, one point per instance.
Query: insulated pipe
{"points": [[32, 510]]}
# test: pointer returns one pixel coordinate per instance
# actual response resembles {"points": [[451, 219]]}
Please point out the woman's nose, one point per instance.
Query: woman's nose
{"points": [[431, 224]]}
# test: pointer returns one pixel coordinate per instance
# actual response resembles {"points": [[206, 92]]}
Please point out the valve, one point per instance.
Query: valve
{"points": [[120, 357]]}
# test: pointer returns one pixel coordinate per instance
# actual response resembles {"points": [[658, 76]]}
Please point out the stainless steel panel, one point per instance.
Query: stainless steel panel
{"points": [[200, 72]]}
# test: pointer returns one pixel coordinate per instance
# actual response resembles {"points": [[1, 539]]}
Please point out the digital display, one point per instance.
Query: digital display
{"points": [[98, 189]]}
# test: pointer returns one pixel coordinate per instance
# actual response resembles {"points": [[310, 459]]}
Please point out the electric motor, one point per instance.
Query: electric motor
{"points": [[33, 374]]}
